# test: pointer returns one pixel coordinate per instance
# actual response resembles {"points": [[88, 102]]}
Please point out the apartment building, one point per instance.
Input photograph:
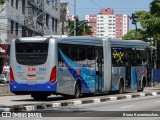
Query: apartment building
{"points": [[92, 22], [20, 18], [64, 18], [108, 24]]}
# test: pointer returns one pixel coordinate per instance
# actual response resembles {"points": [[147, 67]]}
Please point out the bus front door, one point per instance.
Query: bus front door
{"points": [[99, 63]]}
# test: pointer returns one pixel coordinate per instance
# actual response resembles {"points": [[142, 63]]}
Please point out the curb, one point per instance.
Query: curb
{"points": [[74, 102]]}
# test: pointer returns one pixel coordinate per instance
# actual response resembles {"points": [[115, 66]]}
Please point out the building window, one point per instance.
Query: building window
{"points": [[16, 29], [12, 26], [53, 24], [23, 32], [23, 6], [56, 4], [17, 4], [48, 1], [47, 20], [12, 3], [56, 25], [53, 3]]}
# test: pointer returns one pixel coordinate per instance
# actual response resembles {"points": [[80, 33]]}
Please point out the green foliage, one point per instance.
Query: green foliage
{"points": [[141, 35], [80, 28], [150, 22], [155, 7], [2, 2]]}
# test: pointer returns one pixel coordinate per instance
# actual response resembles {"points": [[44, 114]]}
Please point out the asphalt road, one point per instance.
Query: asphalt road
{"points": [[27, 99], [125, 109], [129, 109]]}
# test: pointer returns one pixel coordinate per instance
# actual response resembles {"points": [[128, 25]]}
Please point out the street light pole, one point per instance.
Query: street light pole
{"points": [[25, 18], [74, 17], [136, 36]]}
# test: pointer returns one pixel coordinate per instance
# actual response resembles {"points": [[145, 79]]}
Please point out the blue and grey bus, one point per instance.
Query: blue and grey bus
{"points": [[73, 66]]}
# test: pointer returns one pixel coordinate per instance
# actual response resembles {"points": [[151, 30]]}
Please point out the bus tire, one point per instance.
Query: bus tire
{"points": [[121, 87], [143, 85], [77, 90]]}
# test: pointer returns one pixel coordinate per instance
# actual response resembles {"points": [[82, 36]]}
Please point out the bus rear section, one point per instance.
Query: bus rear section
{"points": [[32, 71]]}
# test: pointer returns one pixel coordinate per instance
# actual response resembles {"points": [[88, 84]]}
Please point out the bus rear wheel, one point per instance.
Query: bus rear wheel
{"points": [[143, 85], [121, 87], [77, 91]]}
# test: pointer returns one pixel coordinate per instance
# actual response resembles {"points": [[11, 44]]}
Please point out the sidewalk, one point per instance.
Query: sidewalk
{"points": [[152, 88]]}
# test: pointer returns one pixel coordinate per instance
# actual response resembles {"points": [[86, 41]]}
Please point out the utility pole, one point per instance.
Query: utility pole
{"points": [[84, 29], [63, 17], [25, 17], [74, 17]]}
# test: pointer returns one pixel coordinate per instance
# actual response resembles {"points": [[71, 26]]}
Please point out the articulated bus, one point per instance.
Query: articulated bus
{"points": [[41, 66]]}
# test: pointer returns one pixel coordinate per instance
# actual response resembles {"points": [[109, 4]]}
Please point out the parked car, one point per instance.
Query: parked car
{"points": [[3, 79]]}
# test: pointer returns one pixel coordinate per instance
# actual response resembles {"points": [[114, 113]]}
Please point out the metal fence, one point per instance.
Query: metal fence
{"points": [[155, 75]]}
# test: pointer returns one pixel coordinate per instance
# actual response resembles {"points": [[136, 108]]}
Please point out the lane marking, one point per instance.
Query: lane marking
{"points": [[127, 106]]}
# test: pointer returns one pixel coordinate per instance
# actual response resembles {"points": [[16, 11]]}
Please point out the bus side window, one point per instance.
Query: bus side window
{"points": [[83, 56], [118, 57], [60, 63], [131, 56], [74, 53], [91, 56], [65, 49]]}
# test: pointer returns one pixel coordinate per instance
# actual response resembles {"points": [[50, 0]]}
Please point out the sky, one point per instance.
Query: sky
{"points": [[119, 6]]}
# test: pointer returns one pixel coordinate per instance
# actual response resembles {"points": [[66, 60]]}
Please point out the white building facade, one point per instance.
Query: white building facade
{"points": [[21, 18], [108, 24]]}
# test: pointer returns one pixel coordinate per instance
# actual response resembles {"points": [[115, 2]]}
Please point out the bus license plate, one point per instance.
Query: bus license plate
{"points": [[31, 77]]}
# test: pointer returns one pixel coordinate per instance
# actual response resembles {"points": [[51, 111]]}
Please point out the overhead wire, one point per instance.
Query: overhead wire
{"points": [[96, 4]]}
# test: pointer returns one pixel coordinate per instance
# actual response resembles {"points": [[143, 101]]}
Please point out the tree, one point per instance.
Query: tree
{"points": [[150, 22], [2, 2], [1, 5], [141, 35], [80, 28], [155, 7]]}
